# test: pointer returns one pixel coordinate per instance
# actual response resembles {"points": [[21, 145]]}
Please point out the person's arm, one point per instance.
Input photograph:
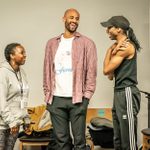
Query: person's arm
{"points": [[111, 62], [46, 73], [90, 81], [120, 46], [107, 60], [3, 92], [5, 113]]}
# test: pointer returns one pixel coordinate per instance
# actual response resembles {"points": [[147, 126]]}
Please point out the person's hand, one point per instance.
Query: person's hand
{"points": [[112, 47], [111, 76], [26, 128], [120, 47], [14, 130]]}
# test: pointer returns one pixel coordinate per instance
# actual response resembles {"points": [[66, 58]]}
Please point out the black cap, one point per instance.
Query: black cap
{"points": [[117, 21]]}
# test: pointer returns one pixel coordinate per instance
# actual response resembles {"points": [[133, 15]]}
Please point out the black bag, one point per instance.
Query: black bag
{"points": [[45, 133], [101, 131]]}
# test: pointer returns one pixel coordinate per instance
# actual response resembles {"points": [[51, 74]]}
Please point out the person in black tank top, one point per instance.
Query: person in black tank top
{"points": [[126, 73], [120, 64]]}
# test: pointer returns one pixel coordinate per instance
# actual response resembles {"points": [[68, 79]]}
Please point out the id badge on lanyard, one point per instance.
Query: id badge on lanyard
{"points": [[23, 101]]}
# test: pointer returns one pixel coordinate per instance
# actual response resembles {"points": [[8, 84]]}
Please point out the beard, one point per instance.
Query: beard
{"points": [[71, 27]]}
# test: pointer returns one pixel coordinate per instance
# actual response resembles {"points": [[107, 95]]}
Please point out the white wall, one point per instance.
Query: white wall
{"points": [[33, 22]]}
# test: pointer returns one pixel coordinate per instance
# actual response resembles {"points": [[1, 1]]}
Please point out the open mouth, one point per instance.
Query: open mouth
{"points": [[73, 25]]}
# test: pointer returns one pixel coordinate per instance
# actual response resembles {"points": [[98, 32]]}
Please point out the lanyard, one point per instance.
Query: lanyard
{"points": [[20, 82]]}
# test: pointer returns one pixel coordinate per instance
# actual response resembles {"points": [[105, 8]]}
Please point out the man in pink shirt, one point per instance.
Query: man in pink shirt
{"points": [[70, 70]]}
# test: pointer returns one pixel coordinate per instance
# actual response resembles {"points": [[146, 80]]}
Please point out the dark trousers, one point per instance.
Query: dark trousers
{"points": [[125, 109], [7, 140], [62, 113]]}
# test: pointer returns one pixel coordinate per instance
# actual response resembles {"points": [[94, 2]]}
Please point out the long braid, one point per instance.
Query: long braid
{"points": [[133, 38]]}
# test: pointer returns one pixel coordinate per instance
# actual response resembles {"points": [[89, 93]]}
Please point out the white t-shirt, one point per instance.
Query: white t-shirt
{"points": [[63, 68]]}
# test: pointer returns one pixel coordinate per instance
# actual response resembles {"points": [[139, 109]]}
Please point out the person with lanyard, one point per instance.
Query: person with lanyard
{"points": [[14, 92], [120, 63], [70, 70]]}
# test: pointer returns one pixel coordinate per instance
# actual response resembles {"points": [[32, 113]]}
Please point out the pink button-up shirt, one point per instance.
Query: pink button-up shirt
{"points": [[84, 65]]}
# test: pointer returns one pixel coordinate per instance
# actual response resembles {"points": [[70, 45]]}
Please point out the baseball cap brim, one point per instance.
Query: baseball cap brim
{"points": [[106, 24]]}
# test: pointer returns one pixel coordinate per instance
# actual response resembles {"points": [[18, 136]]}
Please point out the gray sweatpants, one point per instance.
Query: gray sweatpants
{"points": [[126, 106], [7, 140]]}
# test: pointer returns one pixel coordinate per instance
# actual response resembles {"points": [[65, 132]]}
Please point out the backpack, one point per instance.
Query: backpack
{"points": [[101, 132]]}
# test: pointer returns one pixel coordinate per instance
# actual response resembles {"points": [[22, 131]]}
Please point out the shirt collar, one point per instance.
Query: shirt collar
{"points": [[77, 34]]}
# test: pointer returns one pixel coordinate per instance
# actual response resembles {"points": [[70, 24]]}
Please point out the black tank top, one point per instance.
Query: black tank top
{"points": [[126, 73]]}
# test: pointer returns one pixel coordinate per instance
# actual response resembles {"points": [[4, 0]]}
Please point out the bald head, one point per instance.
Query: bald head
{"points": [[71, 10]]}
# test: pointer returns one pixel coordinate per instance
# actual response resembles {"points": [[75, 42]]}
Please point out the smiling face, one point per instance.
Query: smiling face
{"points": [[112, 32], [19, 55], [71, 20]]}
